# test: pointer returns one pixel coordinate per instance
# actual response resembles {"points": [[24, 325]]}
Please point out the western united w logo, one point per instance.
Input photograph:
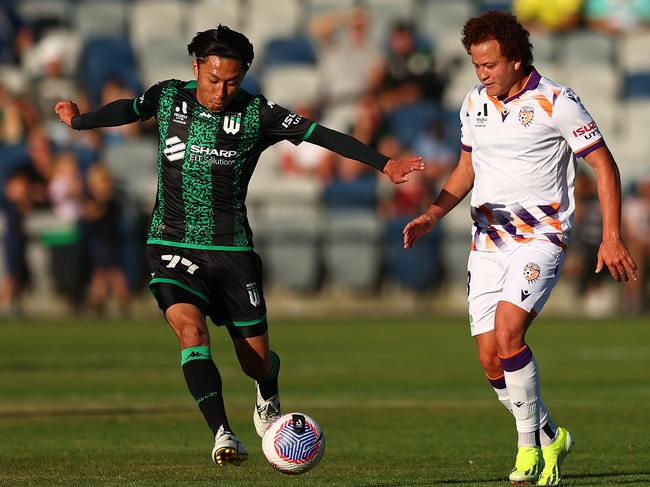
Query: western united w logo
{"points": [[231, 123], [253, 294]]}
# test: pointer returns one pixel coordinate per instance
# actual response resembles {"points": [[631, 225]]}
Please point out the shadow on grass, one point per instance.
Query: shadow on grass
{"points": [[570, 479]]}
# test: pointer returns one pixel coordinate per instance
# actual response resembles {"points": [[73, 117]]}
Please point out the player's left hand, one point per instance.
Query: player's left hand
{"points": [[397, 170], [614, 254]]}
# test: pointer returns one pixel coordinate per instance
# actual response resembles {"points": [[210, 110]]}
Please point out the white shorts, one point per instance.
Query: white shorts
{"points": [[524, 275]]}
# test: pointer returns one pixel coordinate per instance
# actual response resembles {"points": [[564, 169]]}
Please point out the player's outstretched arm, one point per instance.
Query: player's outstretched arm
{"points": [[613, 253], [347, 146], [458, 184], [118, 112]]}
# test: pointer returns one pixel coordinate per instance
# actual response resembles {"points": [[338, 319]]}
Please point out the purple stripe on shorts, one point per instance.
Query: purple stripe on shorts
{"points": [[494, 236], [526, 217], [517, 362], [549, 210], [554, 238], [499, 383]]}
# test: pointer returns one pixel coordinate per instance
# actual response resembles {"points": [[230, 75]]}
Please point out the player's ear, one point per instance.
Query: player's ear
{"points": [[195, 69], [517, 65]]}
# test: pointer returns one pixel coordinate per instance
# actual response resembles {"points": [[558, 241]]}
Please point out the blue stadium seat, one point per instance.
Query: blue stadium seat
{"points": [[418, 268], [636, 85], [289, 50], [360, 194], [104, 58], [408, 121]]}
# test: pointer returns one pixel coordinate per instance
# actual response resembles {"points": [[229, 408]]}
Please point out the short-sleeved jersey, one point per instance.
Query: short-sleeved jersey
{"points": [[524, 152], [206, 160]]}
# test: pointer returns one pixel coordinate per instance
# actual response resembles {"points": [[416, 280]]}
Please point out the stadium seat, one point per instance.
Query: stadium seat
{"points": [[42, 15], [105, 58], [291, 85], [292, 250], [360, 194], [583, 47], [152, 20], [133, 163], [407, 122], [266, 20], [289, 51], [352, 250], [443, 19], [637, 85], [419, 268], [95, 18], [207, 14], [165, 59], [633, 49]]}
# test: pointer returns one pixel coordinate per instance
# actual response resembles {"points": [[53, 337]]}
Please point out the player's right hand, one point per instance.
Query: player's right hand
{"points": [[66, 110], [417, 228]]}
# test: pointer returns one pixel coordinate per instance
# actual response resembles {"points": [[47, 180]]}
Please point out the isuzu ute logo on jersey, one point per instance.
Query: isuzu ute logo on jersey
{"points": [[588, 130], [231, 123], [526, 115], [180, 114], [174, 149]]}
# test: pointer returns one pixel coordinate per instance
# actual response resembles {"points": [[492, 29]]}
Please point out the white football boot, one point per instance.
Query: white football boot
{"points": [[228, 449], [265, 412]]}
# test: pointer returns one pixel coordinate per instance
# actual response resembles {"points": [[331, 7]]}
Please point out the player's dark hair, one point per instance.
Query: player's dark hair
{"points": [[504, 28], [223, 42]]}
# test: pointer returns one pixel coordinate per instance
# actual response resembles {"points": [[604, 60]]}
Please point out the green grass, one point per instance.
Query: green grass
{"points": [[402, 402]]}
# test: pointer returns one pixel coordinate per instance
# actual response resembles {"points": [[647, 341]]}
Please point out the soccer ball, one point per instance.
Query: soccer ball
{"points": [[294, 443]]}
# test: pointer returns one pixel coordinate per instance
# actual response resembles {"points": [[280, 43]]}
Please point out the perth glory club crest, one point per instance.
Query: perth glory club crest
{"points": [[526, 115], [531, 272]]}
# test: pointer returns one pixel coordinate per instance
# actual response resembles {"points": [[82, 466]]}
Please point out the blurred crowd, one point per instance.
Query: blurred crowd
{"points": [[371, 69]]}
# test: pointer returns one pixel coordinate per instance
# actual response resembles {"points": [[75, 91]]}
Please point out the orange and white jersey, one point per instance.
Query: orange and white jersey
{"points": [[524, 153]]}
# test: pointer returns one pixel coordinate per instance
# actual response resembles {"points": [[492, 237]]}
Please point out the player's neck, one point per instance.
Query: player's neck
{"points": [[517, 86]]}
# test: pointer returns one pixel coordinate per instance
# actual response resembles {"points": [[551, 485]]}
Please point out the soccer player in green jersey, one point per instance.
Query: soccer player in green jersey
{"points": [[200, 245]]}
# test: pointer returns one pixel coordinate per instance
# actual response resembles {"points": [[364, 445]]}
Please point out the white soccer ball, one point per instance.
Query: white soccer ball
{"points": [[294, 443]]}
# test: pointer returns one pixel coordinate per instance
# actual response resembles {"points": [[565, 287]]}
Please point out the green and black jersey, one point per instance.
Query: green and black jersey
{"points": [[206, 160]]}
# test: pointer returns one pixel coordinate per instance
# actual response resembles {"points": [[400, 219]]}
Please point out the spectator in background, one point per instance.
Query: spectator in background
{"points": [[12, 130], [102, 216], [308, 160], [345, 47], [582, 255], [65, 192], [636, 225], [548, 15], [18, 204], [439, 155], [15, 36], [407, 73], [115, 89], [617, 16]]}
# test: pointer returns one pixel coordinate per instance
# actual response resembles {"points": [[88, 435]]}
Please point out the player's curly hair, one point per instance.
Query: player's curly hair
{"points": [[223, 42], [504, 28]]}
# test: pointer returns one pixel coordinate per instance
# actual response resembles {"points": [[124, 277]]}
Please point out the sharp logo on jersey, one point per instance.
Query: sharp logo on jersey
{"points": [[532, 271], [232, 123], [174, 149], [588, 130], [253, 294], [526, 115], [209, 151]]}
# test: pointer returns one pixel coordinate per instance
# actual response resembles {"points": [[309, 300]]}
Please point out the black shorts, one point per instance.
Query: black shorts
{"points": [[225, 285]]}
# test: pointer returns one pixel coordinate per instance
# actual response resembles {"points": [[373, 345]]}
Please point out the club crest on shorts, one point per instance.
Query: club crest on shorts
{"points": [[253, 294], [531, 272], [526, 115]]}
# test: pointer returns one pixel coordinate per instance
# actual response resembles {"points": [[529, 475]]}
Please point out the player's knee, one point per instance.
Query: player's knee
{"points": [[192, 335], [491, 364], [508, 339]]}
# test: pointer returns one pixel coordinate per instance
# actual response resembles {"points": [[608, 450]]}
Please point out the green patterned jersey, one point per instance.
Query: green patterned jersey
{"points": [[205, 162]]}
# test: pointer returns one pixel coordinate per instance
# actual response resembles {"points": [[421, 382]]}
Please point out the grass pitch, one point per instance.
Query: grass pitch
{"points": [[402, 402]]}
